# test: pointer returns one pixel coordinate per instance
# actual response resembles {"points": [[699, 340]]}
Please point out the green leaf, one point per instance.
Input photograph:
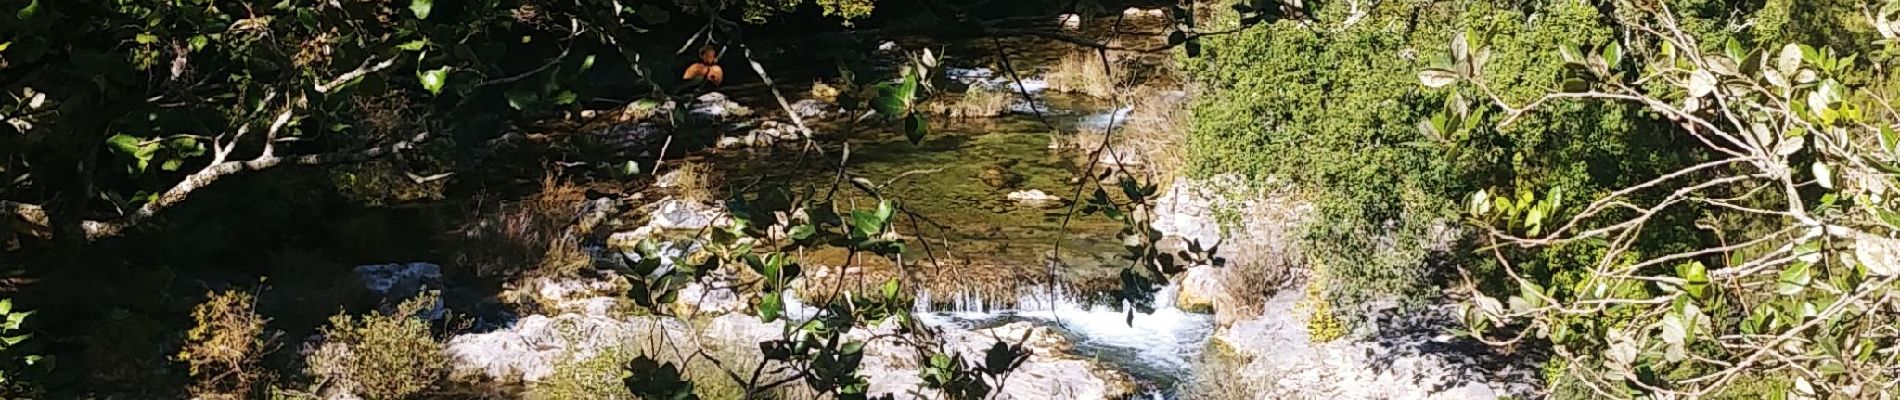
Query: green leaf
{"points": [[1697, 276], [421, 8], [865, 225], [432, 80], [145, 38], [1793, 279], [27, 13], [887, 102], [907, 92], [915, 128], [801, 232], [1888, 139], [413, 45], [1532, 294], [890, 289], [1613, 55], [771, 305], [1575, 86], [885, 210]]}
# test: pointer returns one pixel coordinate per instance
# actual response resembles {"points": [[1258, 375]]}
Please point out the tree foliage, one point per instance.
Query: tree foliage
{"points": [[117, 110]]}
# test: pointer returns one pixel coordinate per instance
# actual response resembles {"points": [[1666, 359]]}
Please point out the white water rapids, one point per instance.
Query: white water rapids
{"points": [[1158, 349]]}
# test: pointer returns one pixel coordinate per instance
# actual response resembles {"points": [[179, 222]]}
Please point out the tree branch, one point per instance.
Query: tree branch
{"points": [[35, 217]]}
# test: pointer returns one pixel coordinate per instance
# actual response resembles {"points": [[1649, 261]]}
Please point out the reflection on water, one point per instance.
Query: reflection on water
{"points": [[956, 183]]}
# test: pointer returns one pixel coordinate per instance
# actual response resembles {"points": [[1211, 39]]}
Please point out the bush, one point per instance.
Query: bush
{"points": [[586, 376], [225, 347], [977, 102], [382, 356], [1339, 112]]}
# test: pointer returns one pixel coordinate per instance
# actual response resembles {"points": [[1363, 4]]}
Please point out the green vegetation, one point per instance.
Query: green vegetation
{"points": [[383, 356], [1672, 194], [225, 350], [1672, 197]]}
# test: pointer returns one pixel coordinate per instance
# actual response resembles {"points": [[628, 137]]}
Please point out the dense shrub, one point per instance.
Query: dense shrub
{"points": [[1336, 107], [226, 346], [382, 356]]}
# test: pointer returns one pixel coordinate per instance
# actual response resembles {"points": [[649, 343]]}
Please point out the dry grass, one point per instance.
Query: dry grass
{"points": [[1219, 376], [531, 234], [694, 180], [1081, 72], [977, 102], [1156, 130]]}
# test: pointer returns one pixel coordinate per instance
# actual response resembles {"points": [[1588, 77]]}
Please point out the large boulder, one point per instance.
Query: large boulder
{"points": [[1409, 357], [529, 350], [678, 214], [1186, 211], [714, 296], [598, 297], [1200, 289]]}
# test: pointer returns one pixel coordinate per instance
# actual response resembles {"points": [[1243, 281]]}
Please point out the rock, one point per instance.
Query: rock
{"points": [[1199, 289], [1069, 22], [629, 239], [594, 213], [714, 296], [999, 209], [999, 175], [1186, 210], [730, 142], [715, 106], [822, 92], [390, 284], [1402, 361], [673, 213], [529, 350], [1470, 391], [1137, 12], [1051, 372], [1035, 197], [814, 108], [582, 296]]}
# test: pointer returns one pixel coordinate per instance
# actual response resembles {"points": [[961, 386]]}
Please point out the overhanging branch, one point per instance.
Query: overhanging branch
{"points": [[36, 218]]}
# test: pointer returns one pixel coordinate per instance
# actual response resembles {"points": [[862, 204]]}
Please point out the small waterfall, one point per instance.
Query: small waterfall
{"points": [[1159, 348]]}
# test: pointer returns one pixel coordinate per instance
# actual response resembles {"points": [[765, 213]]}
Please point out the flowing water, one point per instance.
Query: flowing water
{"points": [[941, 179], [1157, 349]]}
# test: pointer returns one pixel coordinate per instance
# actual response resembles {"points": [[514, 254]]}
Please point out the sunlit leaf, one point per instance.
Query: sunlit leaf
{"points": [[432, 80], [421, 8]]}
